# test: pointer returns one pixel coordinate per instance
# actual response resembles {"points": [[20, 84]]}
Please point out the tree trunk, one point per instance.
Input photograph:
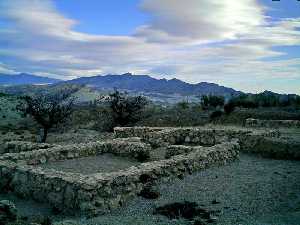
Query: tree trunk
{"points": [[44, 135]]}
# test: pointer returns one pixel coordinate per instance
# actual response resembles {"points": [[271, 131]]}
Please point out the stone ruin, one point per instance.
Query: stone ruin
{"points": [[186, 150], [272, 123], [23, 146]]}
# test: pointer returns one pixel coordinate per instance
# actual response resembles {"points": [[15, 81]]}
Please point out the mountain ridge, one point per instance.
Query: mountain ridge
{"points": [[146, 83], [24, 78]]}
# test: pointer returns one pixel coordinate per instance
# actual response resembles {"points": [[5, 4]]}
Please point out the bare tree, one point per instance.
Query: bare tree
{"points": [[48, 110]]}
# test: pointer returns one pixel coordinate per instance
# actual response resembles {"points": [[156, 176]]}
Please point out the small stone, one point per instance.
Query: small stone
{"points": [[43, 160], [187, 139]]}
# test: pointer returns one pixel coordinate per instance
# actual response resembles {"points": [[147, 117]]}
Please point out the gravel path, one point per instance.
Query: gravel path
{"points": [[93, 164], [251, 191]]}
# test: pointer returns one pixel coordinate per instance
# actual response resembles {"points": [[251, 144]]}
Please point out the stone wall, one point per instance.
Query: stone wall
{"points": [[126, 132], [192, 136], [23, 146], [173, 150], [272, 123], [267, 142], [99, 193], [117, 147]]}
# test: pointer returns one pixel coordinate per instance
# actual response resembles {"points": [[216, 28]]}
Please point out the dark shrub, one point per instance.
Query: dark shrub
{"points": [[216, 114], [126, 110], [229, 107], [211, 101], [186, 210], [142, 156], [149, 192]]}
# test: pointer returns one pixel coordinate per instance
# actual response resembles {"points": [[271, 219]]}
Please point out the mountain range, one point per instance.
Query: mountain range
{"points": [[128, 82], [148, 84], [24, 78]]}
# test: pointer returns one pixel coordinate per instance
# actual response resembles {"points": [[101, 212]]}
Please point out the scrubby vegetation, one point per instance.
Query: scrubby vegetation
{"points": [[126, 110], [118, 108], [48, 110], [264, 100], [266, 105], [211, 101]]}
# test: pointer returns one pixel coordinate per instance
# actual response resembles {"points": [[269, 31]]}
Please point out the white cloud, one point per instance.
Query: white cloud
{"points": [[205, 20], [227, 41], [6, 70]]}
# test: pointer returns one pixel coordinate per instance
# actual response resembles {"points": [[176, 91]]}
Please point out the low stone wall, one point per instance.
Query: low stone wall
{"points": [[23, 146], [272, 123], [126, 132], [173, 150], [273, 147], [117, 147], [267, 142], [192, 136], [99, 193]]}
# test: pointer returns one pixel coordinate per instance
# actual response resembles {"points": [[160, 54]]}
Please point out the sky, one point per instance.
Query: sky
{"points": [[249, 45]]}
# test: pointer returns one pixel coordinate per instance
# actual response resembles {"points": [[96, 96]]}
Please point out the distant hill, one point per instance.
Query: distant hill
{"points": [[158, 90], [147, 84], [23, 78]]}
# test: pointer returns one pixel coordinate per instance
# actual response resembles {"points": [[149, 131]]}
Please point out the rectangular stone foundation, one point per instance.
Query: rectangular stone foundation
{"points": [[186, 150], [99, 192], [267, 142], [104, 163]]}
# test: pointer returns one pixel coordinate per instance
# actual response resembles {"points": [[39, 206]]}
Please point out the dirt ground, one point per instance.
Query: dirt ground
{"points": [[104, 163]]}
